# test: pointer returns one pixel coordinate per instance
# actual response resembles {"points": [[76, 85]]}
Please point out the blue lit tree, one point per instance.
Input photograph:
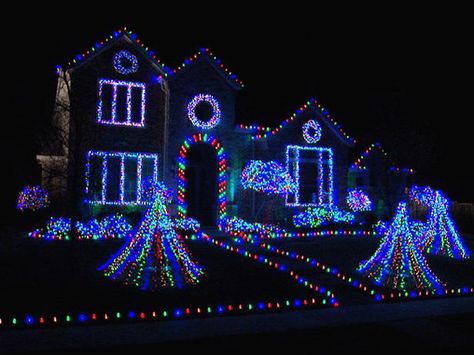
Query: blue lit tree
{"points": [[155, 256], [440, 235], [398, 262]]}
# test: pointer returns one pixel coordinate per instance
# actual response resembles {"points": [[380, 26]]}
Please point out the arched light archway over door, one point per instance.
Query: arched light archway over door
{"points": [[183, 163]]}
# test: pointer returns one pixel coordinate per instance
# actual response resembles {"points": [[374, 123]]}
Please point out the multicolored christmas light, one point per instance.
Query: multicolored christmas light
{"points": [[155, 256], [358, 201], [440, 235], [110, 227], [310, 103], [216, 111], [114, 36], [268, 177], [238, 225], [215, 60], [359, 163], [182, 162], [125, 62], [398, 263], [187, 224], [56, 229], [314, 217], [32, 198]]}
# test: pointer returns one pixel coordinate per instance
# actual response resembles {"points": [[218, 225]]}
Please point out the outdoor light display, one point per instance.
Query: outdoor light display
{"points": [[312, 131], [325, 184], [125, 62], [358, 201], [182, 163], [398, 263], [268, 177], [114, 118], [440, 235], [110, 227], [155, 255], [56, 229], [216, 111], [314, 217], [32, 198]]}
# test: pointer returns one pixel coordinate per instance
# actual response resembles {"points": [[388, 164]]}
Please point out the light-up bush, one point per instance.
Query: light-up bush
{"points": [[270, 178], [109, 227], [314, 217], [32, 198], [358, 201], [56, 229]]}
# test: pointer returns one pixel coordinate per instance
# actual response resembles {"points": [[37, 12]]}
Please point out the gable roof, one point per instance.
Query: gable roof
{"points": [[165, 70], [359, 162], [310, 104], [98, 47], [215, 62]]}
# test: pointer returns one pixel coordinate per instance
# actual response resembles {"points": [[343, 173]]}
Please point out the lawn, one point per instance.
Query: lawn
{"points": [[40, 277], [58, 278]]}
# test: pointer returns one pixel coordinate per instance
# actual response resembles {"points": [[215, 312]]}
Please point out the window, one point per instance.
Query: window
{"points": [[312, 170], [121, 103], [116, 178]]}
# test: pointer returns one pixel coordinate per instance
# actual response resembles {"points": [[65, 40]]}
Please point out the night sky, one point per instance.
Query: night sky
{"points": [[403, 80]]}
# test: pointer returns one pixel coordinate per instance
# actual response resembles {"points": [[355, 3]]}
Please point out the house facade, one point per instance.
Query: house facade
{"points": [[124, 119]]}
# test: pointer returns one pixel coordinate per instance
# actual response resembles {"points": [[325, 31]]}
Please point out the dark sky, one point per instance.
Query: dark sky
{"points": [[392, 75]]}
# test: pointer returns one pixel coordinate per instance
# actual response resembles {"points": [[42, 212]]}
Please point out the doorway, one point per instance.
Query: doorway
{"points": [[201, 184]]}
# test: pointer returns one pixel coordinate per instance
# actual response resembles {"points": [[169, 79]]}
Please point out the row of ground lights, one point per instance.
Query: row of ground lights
{"points": [[313, 234], [355, 283], [273, 265], [311, 261], [178, 313]]}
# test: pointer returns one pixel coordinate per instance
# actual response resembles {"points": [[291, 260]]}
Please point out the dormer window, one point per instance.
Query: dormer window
{"points": [[121, 103]]}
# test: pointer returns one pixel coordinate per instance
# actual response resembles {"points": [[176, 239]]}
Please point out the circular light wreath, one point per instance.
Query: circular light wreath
{"points": [[311, 131], [216, 111], [119, 58]]}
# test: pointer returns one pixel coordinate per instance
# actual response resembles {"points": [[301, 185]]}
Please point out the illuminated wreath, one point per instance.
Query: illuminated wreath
{"points": [[216, 111], [125, 62], [311, 131]]}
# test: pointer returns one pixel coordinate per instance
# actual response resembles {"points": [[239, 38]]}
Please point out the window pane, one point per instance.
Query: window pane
{"points": [[130, 179], [147, 174], [95, 178], [113, 179]]}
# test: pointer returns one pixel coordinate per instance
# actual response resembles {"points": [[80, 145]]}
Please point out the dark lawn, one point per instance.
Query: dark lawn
{"points": [[45, 277], [345, 253]]}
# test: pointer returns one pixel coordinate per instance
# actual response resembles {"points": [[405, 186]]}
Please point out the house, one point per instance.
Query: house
{"points": [[122, 118]]}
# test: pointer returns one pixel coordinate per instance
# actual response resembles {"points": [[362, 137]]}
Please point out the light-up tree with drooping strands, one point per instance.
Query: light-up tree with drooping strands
{"points": [[155, 256], [398, 263]]}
